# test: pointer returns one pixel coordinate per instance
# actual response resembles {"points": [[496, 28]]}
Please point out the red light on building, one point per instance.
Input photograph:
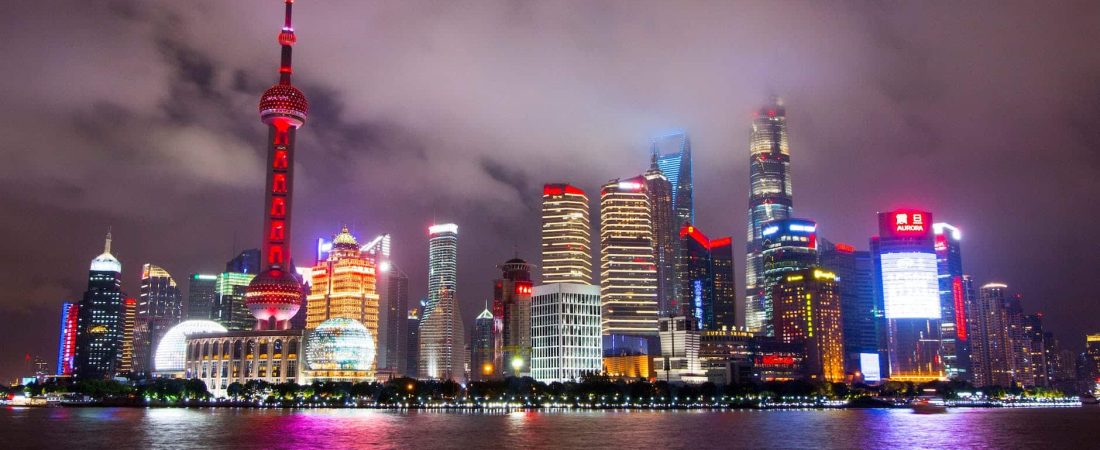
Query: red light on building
{"points": [[774, 360], [524, 289], [845, 248], [560, 189], [721, 242], [698, 236], [905, 223], [960, 307]]}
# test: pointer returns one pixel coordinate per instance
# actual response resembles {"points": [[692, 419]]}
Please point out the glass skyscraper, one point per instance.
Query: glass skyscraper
{"points": [[100, 319], [788, 245], [855, 277], [442, 263], [673, 154], [953, 301], [770, 199], [670, 187]]}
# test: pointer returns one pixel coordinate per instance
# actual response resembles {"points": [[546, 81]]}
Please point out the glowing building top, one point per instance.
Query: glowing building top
{"points": [[106, 262]]}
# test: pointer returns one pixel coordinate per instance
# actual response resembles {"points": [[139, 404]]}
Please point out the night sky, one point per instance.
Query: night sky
{"points": [[141, 116]]}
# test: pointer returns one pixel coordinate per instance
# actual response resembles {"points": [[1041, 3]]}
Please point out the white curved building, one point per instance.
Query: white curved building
{"points": [[172, 349]]}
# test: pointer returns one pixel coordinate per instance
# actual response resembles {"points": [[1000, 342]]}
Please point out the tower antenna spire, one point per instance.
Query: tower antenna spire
{"points": [[287, 40], [107, 244]]}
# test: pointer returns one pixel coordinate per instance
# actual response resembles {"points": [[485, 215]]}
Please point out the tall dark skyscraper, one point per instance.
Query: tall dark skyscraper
{"points": [[666, 246], [201, 295], [247, 261], [953, 302], [412, 339], [275, 295], [788, 245], [512, 318], [855, 275], [482, 363], [397, 304], [100, 319], [770, 199], [707, 290]]}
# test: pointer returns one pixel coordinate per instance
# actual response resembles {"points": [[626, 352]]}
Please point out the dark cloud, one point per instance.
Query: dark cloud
{"points": [[141, 115]]}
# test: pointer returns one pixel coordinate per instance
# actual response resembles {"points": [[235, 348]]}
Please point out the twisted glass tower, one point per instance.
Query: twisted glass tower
{"points": [[770, 184]]}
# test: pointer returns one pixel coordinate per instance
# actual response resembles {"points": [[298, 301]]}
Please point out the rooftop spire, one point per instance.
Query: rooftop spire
{"points": [[286, 39], [107, 244]]}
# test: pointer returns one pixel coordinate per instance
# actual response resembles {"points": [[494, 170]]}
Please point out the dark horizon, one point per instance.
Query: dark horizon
{"points": [[983, 113]]}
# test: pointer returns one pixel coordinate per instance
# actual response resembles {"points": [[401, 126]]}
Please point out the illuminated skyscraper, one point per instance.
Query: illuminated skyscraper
{"points": [[953, 301], [412, 339], [905, 265], [344, 285], [770, 199], [787, 245], [397, 313], [275, 295], [807, 312], [482, 364], [707, 292], [159, 307], [201, 296], [565, 332], [628, 278], [247, 261], [127, 358], [666, 246], [229, 305], [442, 263], [673, 154], [442, 341], [855, 272], [993, 359], [512, 317], [566, 235], [100, 319], [66, 345]]}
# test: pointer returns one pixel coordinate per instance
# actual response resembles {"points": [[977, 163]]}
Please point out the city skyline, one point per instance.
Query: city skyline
{"points": [[499, 210]]}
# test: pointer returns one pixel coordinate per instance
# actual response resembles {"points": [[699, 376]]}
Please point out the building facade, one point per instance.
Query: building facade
{"points": [[229, 306], [566, 332], [442, 341], [628, 281], [566, 235], [128, 359], [221, 359], [770, 199], [442, 263], [159, 307], [855, 284], [202, 295], [482, 362], [707, 291], [66, 342], [666, 245], [100, 319], [953, 301], [512, 319], [397, 311], [679, 359], [808, 313], [787, 245]]}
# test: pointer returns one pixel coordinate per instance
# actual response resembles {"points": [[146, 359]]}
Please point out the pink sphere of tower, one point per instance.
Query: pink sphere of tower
{"points": [[274, 295]]}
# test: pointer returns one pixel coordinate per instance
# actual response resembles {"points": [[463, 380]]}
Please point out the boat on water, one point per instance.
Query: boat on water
{"points": [[928, 406], [1089, 399]]}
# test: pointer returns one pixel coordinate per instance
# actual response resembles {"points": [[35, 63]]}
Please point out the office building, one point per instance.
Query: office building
{"points": [[953, 302], [128, 356], [229, 306], [566, 235], [442, 263], [66, 342], [512, 317], [482, 363], [808, 313], [100, 319], [344, 285], [247, 261], [397, 311], [855, 283], [673, 158], [1037, 342], [412, 340], [566, 340], [787, 245], [707, 291], [666, 245], [908, 292], [442, 341], [770, 199], [679, 359], [1001, 353], [202, 295], [159, 307], [628, 273]]}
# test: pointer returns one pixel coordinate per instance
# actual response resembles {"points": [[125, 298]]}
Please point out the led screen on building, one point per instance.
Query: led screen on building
{"points": [[910, 286], [869, 365]]}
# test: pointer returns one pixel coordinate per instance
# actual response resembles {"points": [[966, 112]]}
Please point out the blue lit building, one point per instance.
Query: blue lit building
{"points": [[855, 282], [673, 153], [953, 301], [786, 245]]}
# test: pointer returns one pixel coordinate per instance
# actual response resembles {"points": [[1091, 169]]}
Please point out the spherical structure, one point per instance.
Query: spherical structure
{"points": [[286, 102], [274, 293], [286, 37], [172, 349], [340, 344]]}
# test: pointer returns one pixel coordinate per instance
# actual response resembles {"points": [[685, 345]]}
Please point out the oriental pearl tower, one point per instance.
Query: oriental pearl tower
{"points": [[274, 295]]}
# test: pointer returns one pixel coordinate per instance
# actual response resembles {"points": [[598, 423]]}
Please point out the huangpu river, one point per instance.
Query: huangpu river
{"points": [[245, 428]]}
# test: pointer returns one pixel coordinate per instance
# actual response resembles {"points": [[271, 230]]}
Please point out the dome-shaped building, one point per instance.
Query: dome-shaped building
{"points": [[274, 297], [172, 349], [340, 349]]}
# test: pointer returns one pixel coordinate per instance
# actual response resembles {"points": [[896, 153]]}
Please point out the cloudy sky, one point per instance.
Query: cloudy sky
{"points": [[141, 116]]}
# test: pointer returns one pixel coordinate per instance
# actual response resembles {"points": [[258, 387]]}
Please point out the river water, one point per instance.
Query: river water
{"points": [[206, 428]]}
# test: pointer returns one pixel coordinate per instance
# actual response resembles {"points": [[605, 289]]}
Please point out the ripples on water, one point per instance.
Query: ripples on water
{"points": [[121, 428]]}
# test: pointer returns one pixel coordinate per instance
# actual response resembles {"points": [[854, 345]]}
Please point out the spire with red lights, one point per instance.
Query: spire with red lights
{"points": [[275, 295]]}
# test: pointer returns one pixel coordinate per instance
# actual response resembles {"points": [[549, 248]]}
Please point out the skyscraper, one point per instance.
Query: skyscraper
{"points": [[565, 332], [100, 319], [344, 285], [855, 275], [666, 246], [201, 296], [673, 153], [126, 359], [787, 245], [770, 199], [482, 364], [275, 295], [397, 313], [66, 342], [628, 278], [707, 292], [905, 265], [247, 261], [807, 312], [442, 340], [229, 305], [442, 263], [953, 301], [159, 307], [1037, 341], [412, 340], [512, 316], [1001, 351], [566, 235]]}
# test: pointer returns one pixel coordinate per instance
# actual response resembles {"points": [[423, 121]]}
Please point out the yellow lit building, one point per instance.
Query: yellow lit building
{"points": [[566, 233], [343, 285], [807, 311], [628, 270], [629, 367]]}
